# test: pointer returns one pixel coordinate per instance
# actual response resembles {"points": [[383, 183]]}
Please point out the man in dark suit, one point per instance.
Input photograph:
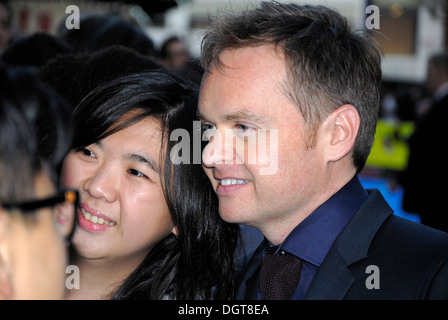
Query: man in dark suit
{"points": [[425, 175], [289, 104]]}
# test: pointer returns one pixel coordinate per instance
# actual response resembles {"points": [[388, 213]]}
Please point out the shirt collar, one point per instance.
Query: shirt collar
{"points": [[313, 237]]}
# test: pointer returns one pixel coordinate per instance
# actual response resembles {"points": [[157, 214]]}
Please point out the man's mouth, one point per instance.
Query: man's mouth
{"points": [[99, 220]]}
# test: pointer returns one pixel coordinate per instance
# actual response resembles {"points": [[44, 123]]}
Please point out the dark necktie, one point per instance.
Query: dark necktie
{"points": [[279, 275]]}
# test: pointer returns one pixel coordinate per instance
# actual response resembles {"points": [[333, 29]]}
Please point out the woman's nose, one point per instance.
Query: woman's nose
{"points": [[103, 184]]}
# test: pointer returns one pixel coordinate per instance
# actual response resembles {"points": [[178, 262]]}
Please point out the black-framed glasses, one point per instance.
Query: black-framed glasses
{"points": [[61, 196], [65, 203]]}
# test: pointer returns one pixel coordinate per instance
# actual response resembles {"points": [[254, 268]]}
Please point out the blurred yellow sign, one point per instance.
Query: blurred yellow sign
{"points": [[390, 149]]}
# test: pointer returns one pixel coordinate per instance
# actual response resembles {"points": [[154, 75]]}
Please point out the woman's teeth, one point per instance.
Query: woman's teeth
{"points": [[95, 219], [226, 182]]}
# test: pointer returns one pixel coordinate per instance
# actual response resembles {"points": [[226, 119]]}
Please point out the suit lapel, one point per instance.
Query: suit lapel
{"points": [[334, 278]]}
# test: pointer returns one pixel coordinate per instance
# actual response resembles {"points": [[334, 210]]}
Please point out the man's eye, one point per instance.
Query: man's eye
{"points": [[242, 127], [208, 127], [208, 130]]}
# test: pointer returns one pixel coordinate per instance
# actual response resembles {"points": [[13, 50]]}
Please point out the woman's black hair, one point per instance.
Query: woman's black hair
{"points": [[35, 132], [197, 263]]}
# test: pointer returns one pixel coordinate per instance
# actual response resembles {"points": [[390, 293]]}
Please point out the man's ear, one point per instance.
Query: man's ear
{"points": [[6, 287], [342, 129]]}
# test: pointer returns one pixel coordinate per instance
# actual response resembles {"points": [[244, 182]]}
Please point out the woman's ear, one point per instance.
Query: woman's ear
{"points": [[343, 125], [175, 231]]}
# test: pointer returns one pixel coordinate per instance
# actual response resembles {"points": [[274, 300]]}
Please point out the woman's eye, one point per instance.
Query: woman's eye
{"points": [[137, 173], [87, 153]]}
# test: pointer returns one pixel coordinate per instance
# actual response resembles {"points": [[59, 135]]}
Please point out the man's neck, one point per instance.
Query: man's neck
{"points": [[277, 231]]}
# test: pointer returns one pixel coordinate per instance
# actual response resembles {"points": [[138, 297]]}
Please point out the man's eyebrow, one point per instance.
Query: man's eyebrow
{"points": [[200, 116], [240, 115], [246, 115], [142, 159]]}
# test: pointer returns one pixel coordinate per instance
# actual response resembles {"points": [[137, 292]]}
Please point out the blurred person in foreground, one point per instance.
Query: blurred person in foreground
{"points": [[296, 82], [35, 217], [423, 178]]}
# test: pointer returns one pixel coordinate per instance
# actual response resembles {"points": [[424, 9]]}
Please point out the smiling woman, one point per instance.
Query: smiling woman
{"points": [[121, 194], [148, 225]]}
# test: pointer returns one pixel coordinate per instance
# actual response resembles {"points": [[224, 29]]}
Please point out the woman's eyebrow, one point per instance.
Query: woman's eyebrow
{"points": [[142, 159]]}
